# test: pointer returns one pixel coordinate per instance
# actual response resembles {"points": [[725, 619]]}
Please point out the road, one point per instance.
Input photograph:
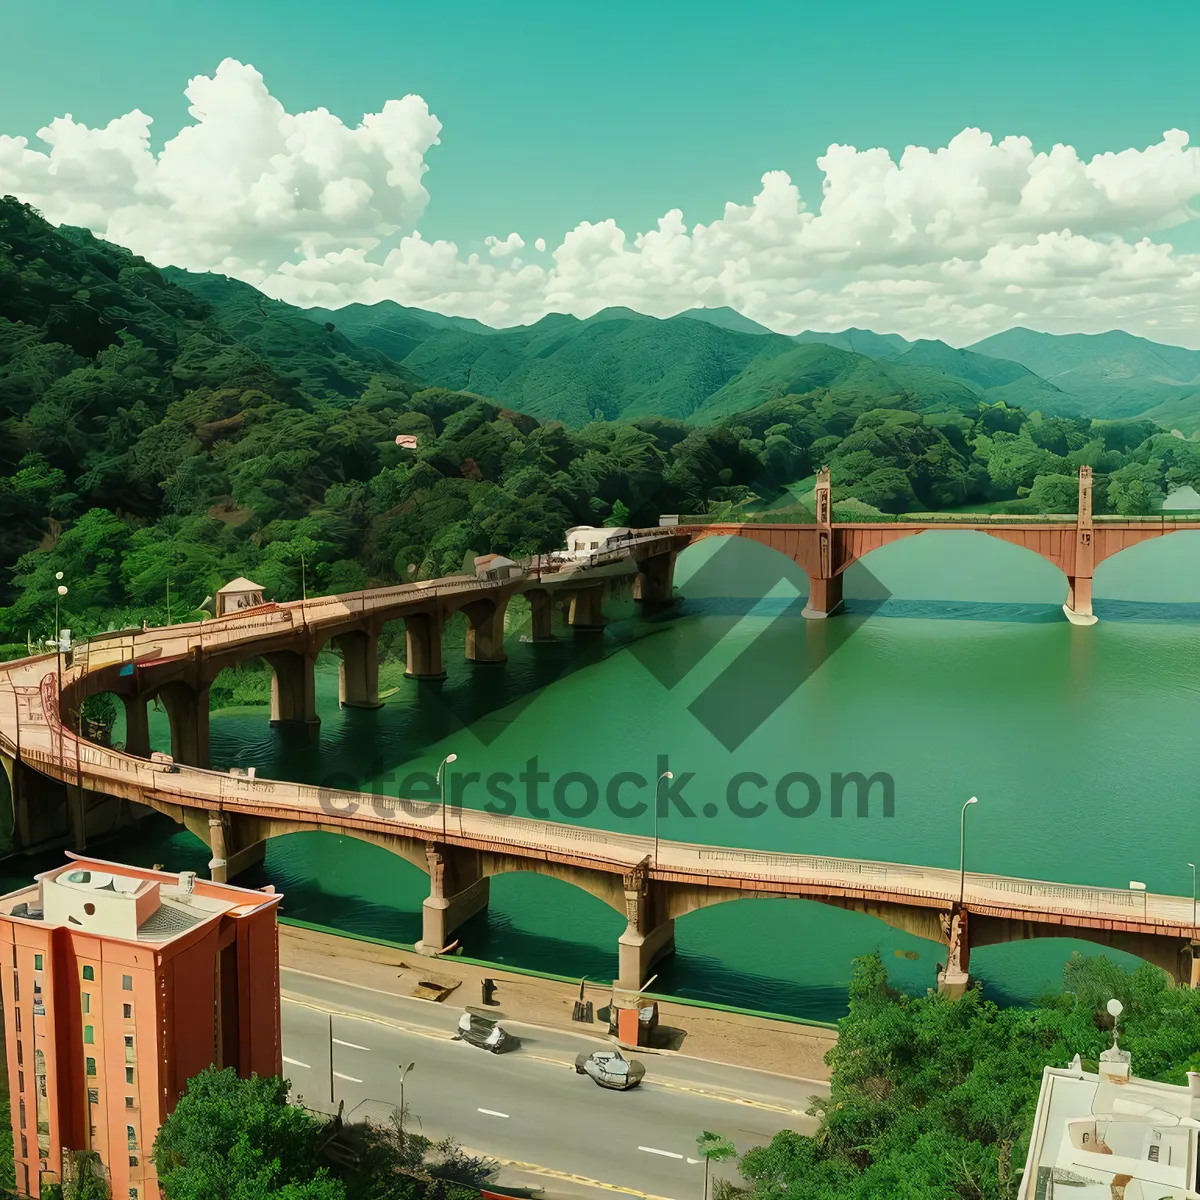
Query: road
{"points": [[549, 1127]]}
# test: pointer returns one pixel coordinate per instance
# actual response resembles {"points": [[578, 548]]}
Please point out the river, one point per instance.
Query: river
{"points": [[954, 672]]}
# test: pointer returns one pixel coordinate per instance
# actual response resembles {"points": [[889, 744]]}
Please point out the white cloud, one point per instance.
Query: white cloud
{"points": [[957, 241]]}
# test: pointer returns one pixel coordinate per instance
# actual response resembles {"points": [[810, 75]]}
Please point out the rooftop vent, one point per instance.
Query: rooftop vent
{"points": [[187, 882]]}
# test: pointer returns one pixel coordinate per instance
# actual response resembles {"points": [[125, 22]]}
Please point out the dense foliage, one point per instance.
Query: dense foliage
{"points": [[163, 433], [933, 1099], [240, 1139]]}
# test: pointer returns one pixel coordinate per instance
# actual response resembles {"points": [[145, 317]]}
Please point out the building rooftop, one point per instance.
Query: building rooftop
{"points": [[130, 903], [1094, 1132]]}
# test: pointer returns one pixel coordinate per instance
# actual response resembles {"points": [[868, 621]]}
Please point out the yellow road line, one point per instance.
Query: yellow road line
{"points": [[583, 1180], [438, 1036]]}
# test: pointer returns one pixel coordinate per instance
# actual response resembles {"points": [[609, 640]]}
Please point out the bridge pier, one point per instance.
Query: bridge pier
{"points": [[649, 936], [187, 710], [358, 673], [587, 608], [824, 597], [485, 630], [458, 889], [232, 839], [655, 583], [293, 688], [954, 977], [541, 612], [1078, 607], [137, 725], [423, 646]]}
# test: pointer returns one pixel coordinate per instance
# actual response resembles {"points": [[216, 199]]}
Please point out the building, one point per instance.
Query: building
{"points": [[119, 984], [1111, 1135], [495, 567], [407, 441], [238, 595], [583, 540]]}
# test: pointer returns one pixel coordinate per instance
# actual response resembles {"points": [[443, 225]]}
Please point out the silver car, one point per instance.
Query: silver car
{"points": [[611, 1069]]}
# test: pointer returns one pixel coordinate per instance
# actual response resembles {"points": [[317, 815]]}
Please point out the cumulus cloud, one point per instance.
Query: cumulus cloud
{"points": [[956, 241]]}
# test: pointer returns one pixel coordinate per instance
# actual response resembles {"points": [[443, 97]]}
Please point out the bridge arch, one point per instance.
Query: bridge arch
{"points": [[1163, 569]]}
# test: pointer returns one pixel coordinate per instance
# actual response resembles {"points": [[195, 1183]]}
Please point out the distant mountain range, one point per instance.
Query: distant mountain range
{"points": [[706, 363]]}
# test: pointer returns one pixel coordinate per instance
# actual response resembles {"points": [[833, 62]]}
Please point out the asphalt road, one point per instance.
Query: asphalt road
{"points": [[549, 1127]]}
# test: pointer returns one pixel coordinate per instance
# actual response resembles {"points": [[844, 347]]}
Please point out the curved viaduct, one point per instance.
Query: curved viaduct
{"points": [[649, 883]]}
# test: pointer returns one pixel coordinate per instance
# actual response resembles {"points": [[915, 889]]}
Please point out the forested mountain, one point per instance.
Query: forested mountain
{"points": [[1109, 374], [162, 425]]}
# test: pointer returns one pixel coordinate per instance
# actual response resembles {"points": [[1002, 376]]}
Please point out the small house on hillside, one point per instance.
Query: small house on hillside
{"points": [[587, 539], [406, 441], [495, 567], [237, 595]]}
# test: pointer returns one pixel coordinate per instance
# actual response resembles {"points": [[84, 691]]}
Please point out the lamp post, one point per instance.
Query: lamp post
{"points": [[657, 785], [1193, 866], [403, 1073], [60, 592], [962, 850], [441, 784]]}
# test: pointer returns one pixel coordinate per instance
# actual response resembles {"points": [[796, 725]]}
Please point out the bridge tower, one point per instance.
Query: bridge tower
{"points": [[825, 587], [1078, 607]]}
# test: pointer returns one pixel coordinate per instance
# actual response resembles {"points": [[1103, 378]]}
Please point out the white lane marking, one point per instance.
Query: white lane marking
{"points": [[351, 1045], [295, 1062], [693, 1161], [347, 1078], [664, 1153], [491, 1112]]}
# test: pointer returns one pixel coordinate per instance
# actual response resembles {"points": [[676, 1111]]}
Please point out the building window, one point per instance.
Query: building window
{"points": [[37, 962], [133, 1194], [89, 973], [129, 1058], [20, 1052], [20, 1081], [87, 1002], [24, 1146], [129, 1129], [128, 1101], [128, 1011], [1154, 1154], [93, 1095], [127, 983], [91, 1067], [128, 1074], [89, 1035], [133, 1162], [22, 1114], [16, 986], [17, 1018]]}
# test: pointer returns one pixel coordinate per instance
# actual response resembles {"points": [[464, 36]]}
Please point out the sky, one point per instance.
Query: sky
{"points": [[932, 169]]}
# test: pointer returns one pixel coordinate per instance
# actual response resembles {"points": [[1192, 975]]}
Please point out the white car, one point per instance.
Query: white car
{"points": [[611, 1069]]}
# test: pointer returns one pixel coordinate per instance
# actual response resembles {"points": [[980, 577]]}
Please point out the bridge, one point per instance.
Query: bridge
{"points": [[1076, 544], [52, 769]]}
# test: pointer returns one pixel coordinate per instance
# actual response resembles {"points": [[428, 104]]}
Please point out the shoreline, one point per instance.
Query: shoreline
{"points": [[777, 1043]]}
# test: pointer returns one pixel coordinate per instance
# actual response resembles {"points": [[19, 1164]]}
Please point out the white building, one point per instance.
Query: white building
{"points": [[497, 567], [1112, 1135], [587, 539], [238, 595]]}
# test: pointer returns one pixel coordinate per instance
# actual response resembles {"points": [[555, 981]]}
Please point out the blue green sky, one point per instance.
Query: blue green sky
{"points": [[555, 113]]}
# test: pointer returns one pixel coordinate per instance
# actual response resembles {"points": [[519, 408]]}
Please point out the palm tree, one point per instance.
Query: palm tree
{"points": [[714, 1147]]}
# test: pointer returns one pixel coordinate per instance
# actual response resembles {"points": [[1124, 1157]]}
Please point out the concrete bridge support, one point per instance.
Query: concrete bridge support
{"points": [[650, 935], [293, 688], [235, 840], [587, 608], [187, 710], [358, 674], [458, 889], [423, 646], [825, 585], [1078, 607], [541, 611], [137, 726], [655, 583], [954, 978], [485, 630]]}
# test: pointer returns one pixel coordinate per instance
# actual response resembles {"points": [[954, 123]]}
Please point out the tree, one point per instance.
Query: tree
{"points": [[240, 1139], [619, 517], [714, 1147]]}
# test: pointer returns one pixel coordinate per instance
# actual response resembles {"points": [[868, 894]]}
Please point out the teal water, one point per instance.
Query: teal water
{"points": [[954, 672]]}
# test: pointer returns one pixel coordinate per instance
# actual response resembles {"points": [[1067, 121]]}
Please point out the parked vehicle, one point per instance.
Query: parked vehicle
{"points": [[485, 1033], [611, 1069]]}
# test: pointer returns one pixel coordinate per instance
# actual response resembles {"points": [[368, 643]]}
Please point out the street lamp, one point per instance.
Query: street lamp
{"points": [[657, 785], [448, 759], [1193, 866], [60, 592], [403, 1073], [962, 850]]}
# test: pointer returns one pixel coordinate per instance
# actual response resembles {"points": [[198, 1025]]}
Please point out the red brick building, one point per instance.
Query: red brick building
{"points": [[120, 984]]}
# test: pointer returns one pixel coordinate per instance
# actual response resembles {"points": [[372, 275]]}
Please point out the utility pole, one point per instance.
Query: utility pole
{"points": [[331, 1099]]}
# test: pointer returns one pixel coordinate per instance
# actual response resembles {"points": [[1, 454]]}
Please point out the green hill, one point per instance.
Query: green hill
{"points": [[722, 318], [1114, 374], [858, 341]]}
